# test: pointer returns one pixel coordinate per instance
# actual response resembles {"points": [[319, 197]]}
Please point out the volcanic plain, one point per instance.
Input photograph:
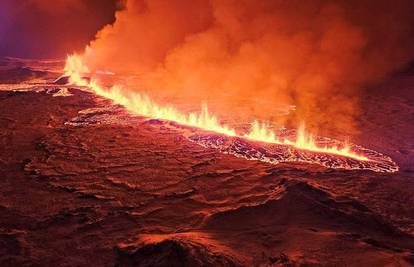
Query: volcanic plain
{"points": [[85, 183]]}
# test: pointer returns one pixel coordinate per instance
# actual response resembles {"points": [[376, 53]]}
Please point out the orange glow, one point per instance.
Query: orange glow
{"points": [[261, 132], [75, 68], [143, 105], [307, 141]]}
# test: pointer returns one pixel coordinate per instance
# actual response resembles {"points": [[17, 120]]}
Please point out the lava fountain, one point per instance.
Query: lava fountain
{"points": [[142, 105]]}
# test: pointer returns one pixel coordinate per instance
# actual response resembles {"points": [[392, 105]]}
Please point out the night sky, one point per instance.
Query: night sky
{"points": [[50, 29]]}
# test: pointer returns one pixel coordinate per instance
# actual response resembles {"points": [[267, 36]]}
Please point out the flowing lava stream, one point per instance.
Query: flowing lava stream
{"points": [[142, 105]]}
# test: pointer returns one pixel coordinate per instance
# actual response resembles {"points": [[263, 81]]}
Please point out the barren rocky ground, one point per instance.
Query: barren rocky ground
{"points": [[98, 189]]}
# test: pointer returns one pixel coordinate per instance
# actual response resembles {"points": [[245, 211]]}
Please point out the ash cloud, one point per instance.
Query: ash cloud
{"points": [[316, 55]]}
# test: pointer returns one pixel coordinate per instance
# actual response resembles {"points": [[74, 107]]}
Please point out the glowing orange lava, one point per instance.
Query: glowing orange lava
{"points": [[143, 105]]}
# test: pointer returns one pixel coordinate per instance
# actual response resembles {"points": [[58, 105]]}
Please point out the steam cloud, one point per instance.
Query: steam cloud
{"points": [[315, 55]]}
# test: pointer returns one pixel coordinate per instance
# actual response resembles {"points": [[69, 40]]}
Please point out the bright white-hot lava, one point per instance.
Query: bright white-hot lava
{"points": [[143, 105]]}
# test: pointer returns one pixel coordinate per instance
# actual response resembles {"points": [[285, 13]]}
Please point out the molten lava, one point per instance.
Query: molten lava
{"points": [[143, 105]]}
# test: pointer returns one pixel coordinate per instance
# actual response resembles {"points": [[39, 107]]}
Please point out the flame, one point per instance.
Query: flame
{"points": [[143, 105], [75, 68], [262, 132]]}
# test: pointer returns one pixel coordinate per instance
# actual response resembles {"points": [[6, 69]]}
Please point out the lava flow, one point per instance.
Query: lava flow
{"points": [[143, 105]]}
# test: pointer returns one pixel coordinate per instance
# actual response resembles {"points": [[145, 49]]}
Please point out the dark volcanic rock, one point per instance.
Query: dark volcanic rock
{"points": [[172, 253], [62, 80], [19, 74], [79, 176], [299, 203]]}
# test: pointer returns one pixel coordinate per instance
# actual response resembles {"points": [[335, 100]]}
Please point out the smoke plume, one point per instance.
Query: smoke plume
{"points": [[262, 55]]}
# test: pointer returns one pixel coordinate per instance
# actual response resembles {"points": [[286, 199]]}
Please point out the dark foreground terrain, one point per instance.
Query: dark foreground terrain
{"points": [[91, 189]]}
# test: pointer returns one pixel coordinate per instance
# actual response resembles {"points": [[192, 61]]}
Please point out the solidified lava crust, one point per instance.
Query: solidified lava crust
{"points": [[244, 148], [274, 153], [84, 183]]}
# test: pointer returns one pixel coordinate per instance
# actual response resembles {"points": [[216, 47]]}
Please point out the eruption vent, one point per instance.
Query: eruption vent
{"points": [[251, 59], [143, 105], [262, 55]]}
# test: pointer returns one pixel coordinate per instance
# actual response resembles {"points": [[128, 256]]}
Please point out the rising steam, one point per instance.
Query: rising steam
{"points": [[263, 55]]}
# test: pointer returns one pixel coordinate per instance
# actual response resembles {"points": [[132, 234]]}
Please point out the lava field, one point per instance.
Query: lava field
{"points": [[86, 183]]}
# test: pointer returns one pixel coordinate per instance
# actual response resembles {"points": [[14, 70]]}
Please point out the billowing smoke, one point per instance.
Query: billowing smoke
{"points": [[262, 55], [50, 28]]}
